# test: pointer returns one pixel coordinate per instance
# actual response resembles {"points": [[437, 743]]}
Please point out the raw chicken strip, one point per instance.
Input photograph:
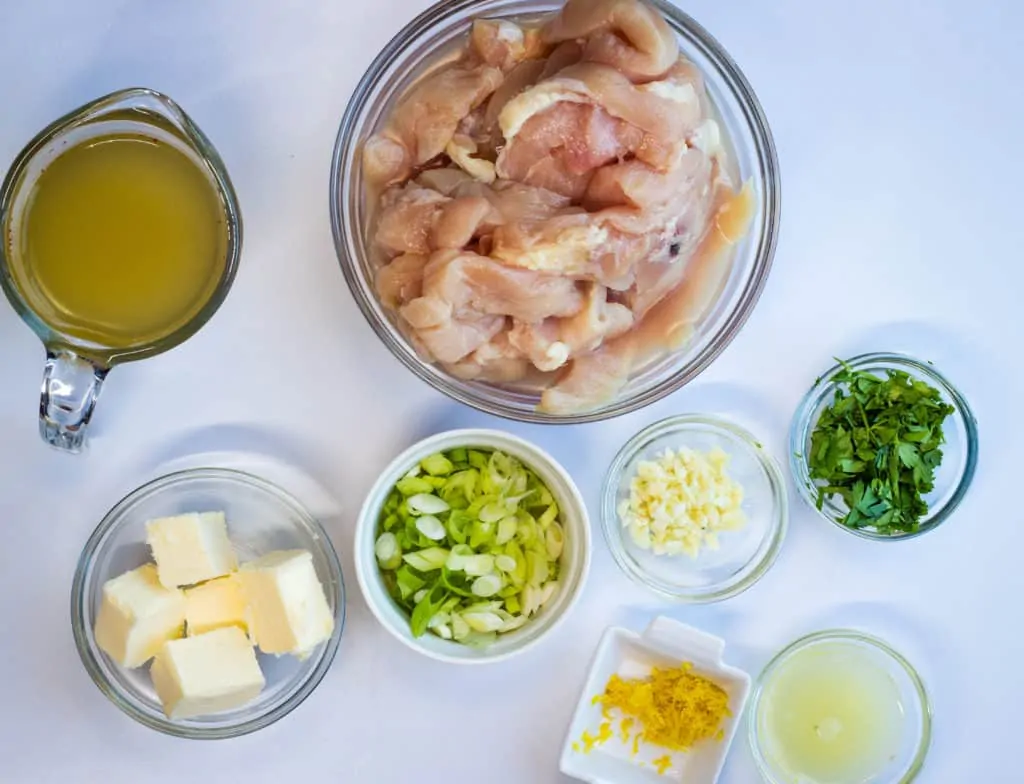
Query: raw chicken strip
{"points": [[426, 120], [560, 130], [595, 378], [591, 379], [565, 54], [466, 282], [559, 148], [550, 343], [401, 280], [564, 244], [495, 361], [504, 44], [420, 220], [407, 218], [447, 338], [626, 34], [524, 75]]}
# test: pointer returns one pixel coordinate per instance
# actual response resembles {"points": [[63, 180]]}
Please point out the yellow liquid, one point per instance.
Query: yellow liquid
{"points": [[831, 715], [122, 242]]}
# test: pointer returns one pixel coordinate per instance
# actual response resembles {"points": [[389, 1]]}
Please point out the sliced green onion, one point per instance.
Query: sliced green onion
{"points": [[424, 503], [427, 560], [479, 565], [458, 556], [549, 516], [460, 629], [469, 541], [488, 585], [555, 539], [512, 624], [389, 554], [437, 465], [506, 530], [431, 527], [548, 592], [483, 621], [411, 485], [408, 583]]}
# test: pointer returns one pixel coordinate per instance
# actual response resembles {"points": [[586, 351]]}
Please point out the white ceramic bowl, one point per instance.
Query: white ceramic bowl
{"points": [[665, 643], [575, 556]]}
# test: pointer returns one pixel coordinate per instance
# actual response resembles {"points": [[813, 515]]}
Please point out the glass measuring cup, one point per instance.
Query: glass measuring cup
{"points": [[76, 367]]}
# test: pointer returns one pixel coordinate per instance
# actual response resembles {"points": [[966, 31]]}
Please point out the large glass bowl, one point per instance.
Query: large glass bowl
{"points": [[743, 556], [959, 454], [411, 53], [261, 518]]}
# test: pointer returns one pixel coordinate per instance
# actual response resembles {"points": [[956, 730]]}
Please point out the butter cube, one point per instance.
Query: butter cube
{"points": [[208, 673], [288, 610], [214, 605], [190, 548], [137, 616]]}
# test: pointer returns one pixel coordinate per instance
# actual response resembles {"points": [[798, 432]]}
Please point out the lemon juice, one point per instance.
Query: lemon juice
{"points": [[831, 714]]}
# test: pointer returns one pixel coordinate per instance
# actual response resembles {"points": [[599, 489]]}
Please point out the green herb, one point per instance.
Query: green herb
{"points": [[877, 448], [469, 544]]}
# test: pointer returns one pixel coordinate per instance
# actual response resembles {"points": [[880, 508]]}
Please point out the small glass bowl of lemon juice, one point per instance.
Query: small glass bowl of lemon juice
{"points": [[839, 707]]}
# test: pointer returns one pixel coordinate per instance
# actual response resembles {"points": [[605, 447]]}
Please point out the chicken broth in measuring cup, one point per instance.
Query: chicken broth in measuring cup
{"points": [[122, 235], [555, 208], [122, 240]]}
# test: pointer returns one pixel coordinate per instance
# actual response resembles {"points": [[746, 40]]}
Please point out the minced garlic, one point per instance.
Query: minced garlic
{"points": [[681, 500]]}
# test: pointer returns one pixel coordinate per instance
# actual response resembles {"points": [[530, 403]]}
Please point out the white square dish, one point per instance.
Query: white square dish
{"points": [[665, 643]]}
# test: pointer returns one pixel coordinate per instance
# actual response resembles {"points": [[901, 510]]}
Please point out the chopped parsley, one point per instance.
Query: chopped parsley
{"points": [[877, 447]]}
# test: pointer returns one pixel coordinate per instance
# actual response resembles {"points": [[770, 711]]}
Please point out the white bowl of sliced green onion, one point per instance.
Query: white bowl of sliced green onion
{"points": [[472, 546]]}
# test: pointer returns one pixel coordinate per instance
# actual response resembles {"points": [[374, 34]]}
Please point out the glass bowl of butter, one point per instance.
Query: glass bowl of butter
{"points": [[208, 604], [694, 508]]}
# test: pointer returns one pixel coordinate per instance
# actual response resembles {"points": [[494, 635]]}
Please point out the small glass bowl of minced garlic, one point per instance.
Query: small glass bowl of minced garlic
{"points": [[694, 508]]}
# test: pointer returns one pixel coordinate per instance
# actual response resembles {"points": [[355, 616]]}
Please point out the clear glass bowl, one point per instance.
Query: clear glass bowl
{"points": [[414, 51], [959, 454], [904, 766], [261, 518], [744, 555]]}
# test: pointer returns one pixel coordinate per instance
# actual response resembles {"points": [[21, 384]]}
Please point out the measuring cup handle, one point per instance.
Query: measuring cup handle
{"points": [[71, 385]]}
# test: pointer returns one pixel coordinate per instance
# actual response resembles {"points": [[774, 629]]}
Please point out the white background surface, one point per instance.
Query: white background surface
{"points": [[898, 125]]}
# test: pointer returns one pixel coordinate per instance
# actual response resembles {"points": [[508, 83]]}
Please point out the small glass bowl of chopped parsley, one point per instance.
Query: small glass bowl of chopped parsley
{"points": [[884, 446]]}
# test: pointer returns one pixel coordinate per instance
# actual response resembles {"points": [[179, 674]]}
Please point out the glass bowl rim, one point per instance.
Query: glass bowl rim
{"points": [[769, 466], [111, 522], [801, 426], [923, 705], [762, 256]]}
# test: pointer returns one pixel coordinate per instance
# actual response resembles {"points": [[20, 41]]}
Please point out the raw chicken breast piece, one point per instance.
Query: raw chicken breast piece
{"points": [[591, 380], [420, 220], [407, 218], [401, 280], [549, 345], [495, 361], [560, 147], [596, 378], [477, 284], [627, 34], [426, 120], [503, 44]]}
